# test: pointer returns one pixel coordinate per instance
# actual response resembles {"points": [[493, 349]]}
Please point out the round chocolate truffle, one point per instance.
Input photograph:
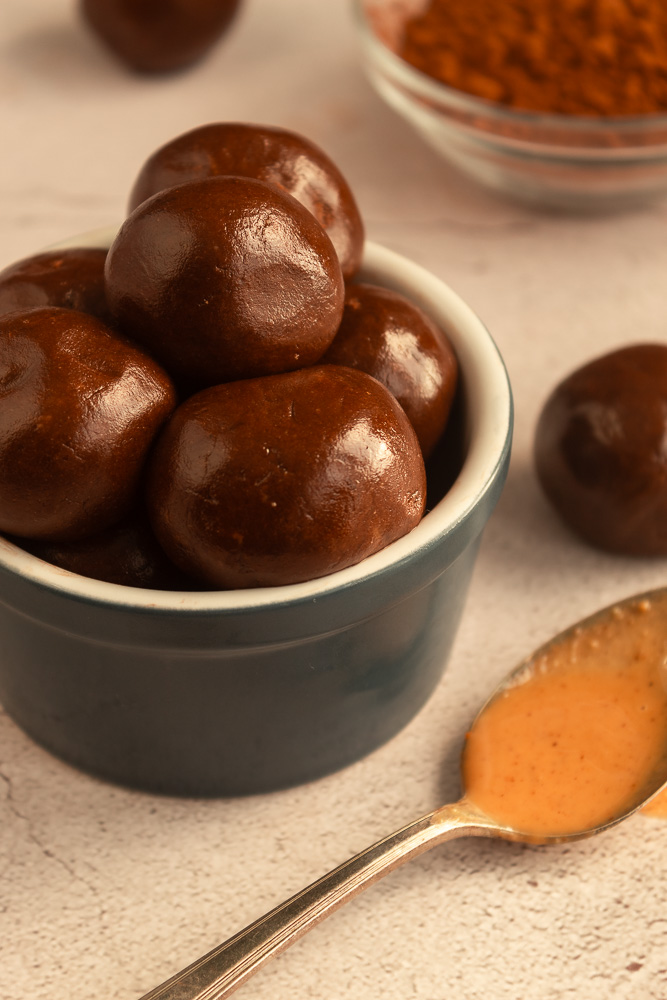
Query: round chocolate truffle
{"points": [[390, 338], [265, 153], [225, 278], [71, 279], [159, 36], [127, 553], [600, 450], [286, 478], [79, 408]]}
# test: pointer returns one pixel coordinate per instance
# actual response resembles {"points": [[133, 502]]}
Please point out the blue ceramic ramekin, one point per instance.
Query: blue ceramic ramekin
{"points": [[237, 692]]}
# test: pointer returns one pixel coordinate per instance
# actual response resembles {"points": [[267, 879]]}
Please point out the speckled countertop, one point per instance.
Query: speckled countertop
{"points": [[105, 892]]}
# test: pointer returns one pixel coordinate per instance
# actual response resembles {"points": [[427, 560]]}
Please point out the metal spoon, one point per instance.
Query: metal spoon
{"points": [[220, 972]]}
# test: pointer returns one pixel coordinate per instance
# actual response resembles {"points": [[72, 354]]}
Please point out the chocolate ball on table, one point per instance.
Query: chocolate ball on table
{"points": [[79, 408], [225, 278], [390, 338], [265, 153], [286, 478], [71, 279], [600, 450], [159, 36]]}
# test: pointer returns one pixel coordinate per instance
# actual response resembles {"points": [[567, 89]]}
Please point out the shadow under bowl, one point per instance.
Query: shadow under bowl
{"points": [[238, 692]]}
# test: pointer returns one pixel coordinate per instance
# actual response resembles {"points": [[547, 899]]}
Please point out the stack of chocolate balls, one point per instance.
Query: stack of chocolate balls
{"points": [[215, 402]]}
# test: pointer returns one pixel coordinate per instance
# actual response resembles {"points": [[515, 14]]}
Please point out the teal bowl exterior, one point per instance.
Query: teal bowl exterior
{"points": [[241, 692]]}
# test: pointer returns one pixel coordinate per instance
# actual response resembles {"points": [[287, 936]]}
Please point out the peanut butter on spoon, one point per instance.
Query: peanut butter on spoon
{"points": [[570, 744], [581, 733]]}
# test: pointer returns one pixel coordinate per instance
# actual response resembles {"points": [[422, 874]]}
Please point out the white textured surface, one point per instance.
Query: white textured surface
{"points": [[104, 892]]}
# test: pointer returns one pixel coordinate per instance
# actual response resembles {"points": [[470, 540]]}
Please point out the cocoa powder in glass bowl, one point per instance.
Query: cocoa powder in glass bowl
{"points": [[546, 158]]}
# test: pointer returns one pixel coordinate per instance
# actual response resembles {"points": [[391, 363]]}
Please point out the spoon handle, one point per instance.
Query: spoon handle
{"points": [[223, 970]]}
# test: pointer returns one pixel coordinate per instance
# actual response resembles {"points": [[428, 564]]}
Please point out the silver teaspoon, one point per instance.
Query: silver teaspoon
{"points": [[628, 636]]}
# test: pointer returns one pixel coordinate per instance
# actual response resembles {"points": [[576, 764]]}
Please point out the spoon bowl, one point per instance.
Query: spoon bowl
{"points": [[617, 656]]}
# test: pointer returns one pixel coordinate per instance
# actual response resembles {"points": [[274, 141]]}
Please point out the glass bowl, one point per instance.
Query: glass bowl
{"points": [[555, 160]]}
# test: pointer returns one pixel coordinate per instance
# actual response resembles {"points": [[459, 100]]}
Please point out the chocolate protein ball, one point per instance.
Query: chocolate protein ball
{"points": [[71, 279], [159, 36], [225, 278], [390, 338], [285, 478], [127, 553], [600, 450], [274, 155], [79, 408]]}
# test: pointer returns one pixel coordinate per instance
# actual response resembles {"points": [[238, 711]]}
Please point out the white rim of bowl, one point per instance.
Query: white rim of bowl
{"points": [[486, 382]]}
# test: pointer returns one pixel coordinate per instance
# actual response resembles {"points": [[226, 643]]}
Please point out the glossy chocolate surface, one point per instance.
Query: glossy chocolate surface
{"points": [[225, 278], [600, 450], [274, 155], [162, 36], [390, 338], [79, 408], [71, 279], [285, 478]]}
